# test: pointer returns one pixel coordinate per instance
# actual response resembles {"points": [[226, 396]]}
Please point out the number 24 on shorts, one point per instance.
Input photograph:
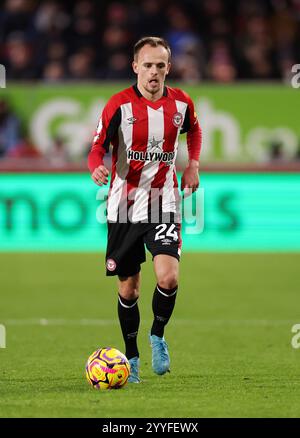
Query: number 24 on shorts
{"points": [[171, 232]]}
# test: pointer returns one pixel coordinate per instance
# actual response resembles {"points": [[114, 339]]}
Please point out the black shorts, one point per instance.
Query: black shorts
{"points": [[126, 245]]}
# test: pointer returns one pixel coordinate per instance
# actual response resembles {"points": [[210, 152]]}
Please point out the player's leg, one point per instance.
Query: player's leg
{"points": [[129, 318], [164, 243], [163, 302], [166, 269], [124, 256], [128, 312]]}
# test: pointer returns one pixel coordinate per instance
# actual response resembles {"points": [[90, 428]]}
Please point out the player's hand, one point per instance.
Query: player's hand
{"points": [[190, 178], [100, 174]]}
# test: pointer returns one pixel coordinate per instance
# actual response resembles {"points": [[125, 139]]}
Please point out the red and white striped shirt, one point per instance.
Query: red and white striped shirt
{"points": [[144, 136]]}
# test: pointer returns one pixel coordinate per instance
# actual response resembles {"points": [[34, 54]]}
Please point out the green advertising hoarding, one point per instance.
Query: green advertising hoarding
{"points": [[241, 123], [242, 212]]}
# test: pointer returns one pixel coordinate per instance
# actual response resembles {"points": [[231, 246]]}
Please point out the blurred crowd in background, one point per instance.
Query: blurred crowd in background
{"points": [[211, 40]]}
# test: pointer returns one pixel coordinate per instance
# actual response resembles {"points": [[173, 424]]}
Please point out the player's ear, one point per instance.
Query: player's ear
{"points": [[135, 67], [168, 67]]}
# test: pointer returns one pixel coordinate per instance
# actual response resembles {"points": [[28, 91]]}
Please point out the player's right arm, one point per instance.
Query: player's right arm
{"points": [[100, 175], [107, 128]]}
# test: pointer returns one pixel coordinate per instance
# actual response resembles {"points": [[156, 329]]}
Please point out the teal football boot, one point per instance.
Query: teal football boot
{"points": [[160, 355]]}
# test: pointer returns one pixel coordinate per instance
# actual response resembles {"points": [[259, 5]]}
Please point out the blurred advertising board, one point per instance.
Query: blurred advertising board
{"points": [[240, 211], [241, 123]]}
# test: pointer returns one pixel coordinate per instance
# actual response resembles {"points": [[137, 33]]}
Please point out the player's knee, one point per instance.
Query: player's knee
{"points": [[168, 280], [129, 287], [129, 290], [129, 293]]}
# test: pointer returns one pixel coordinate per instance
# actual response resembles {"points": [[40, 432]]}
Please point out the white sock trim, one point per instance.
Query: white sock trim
{"points": [[124, 305], [166, 295]]}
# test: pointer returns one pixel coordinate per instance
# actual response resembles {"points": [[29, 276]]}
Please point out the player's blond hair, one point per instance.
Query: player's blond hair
{"points": [[153, 42]]}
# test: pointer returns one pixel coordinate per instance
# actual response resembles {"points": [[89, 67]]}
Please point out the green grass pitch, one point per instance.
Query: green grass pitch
{"points": [[229, 338]]}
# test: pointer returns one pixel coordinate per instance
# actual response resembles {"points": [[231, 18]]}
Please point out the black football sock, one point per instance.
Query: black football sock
{"points": [[129, 317], [163, 303]]}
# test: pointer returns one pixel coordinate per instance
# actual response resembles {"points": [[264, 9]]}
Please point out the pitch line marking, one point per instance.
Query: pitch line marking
{"points": [[106, 322]]}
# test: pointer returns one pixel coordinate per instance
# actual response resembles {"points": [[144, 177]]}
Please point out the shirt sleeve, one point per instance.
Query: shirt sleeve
{"points": [[194, 133], [107, 128]]}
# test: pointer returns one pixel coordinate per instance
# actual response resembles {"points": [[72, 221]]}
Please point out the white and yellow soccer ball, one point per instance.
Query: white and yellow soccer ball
{"points": [[107, 368]]}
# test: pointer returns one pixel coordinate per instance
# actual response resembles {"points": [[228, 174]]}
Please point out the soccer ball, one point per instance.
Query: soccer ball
{"points": [[107, 368]]}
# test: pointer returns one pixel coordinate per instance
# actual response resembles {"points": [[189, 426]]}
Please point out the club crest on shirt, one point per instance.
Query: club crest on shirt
{"points": [[177, 120], [111, 264]]}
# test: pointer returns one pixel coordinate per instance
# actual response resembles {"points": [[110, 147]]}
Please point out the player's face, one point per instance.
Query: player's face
{"points": [[151, 66]]}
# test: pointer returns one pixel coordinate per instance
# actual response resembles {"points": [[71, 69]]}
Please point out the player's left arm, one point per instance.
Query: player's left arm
{"points": [[190, 177], [106, 130]]}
